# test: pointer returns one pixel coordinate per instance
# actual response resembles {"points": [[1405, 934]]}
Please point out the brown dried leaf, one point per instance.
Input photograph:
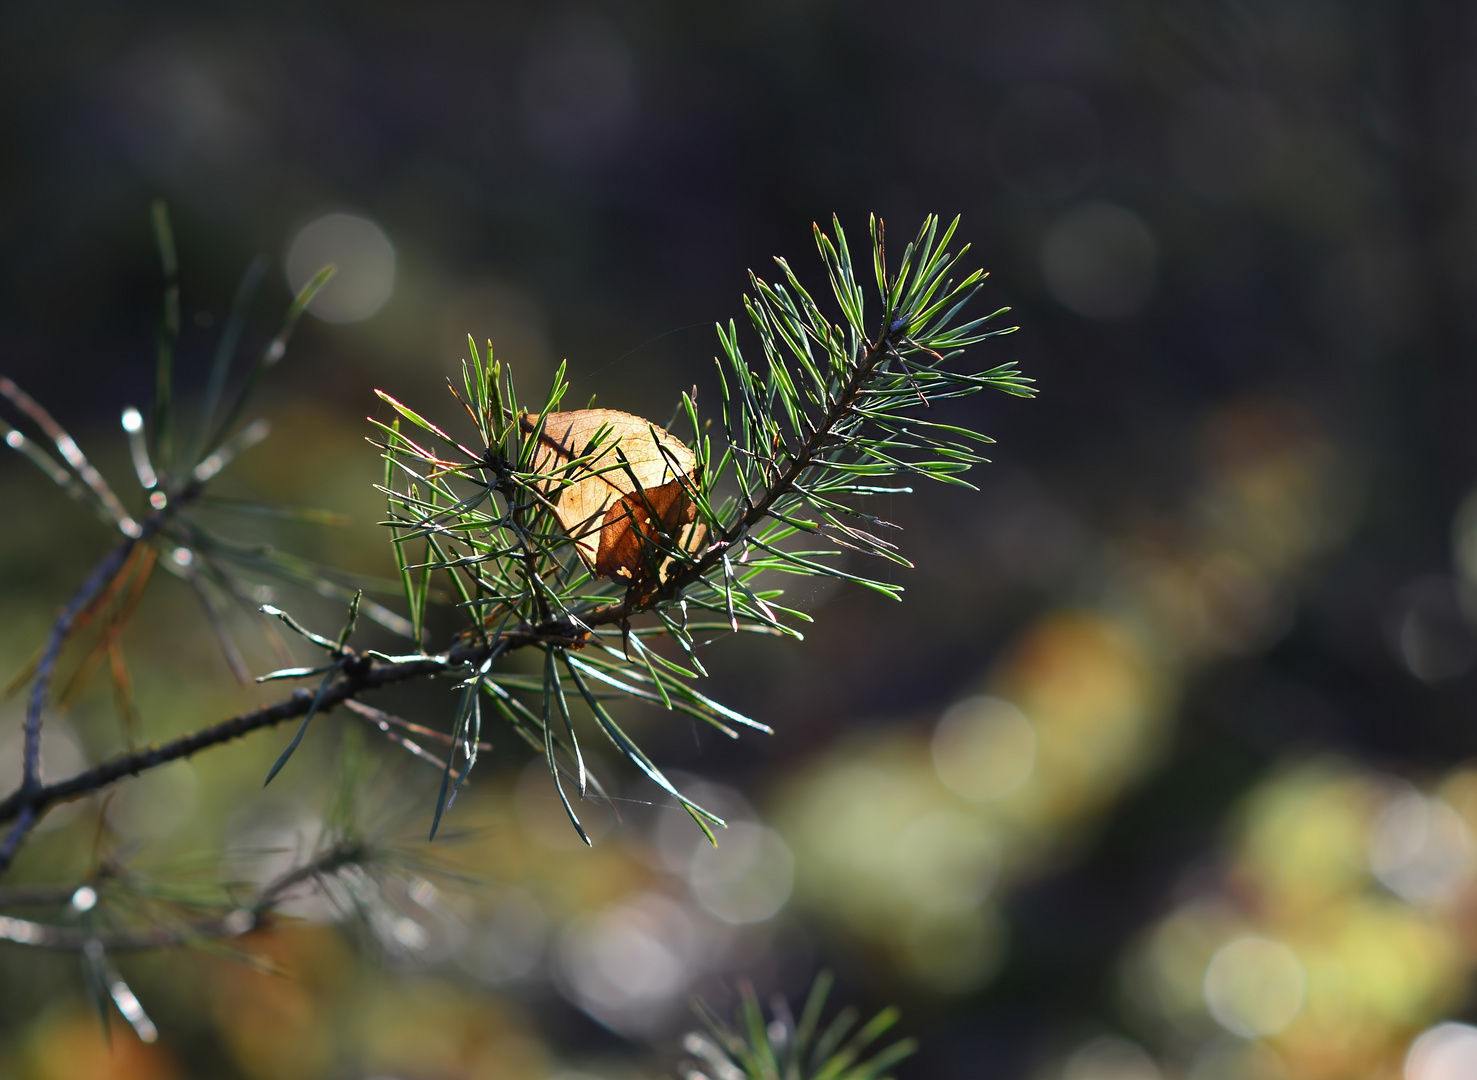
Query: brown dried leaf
{"points": [[627, 535], [608, 507]]}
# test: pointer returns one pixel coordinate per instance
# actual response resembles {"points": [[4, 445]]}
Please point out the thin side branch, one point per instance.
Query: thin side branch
{"points": [[818, 440], [233, 924], [359, 674], [101, 576], [357, 678]]}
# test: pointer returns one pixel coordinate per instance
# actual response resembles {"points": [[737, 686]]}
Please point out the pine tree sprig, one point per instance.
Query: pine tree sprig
{"points": [[782, 1048], [826, 420]]}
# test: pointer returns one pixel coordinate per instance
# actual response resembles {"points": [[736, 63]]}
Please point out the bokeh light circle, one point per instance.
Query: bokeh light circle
{"points": [[1100, 260], [1254, 986], [1421, 849], [1430, 629], [364, 261], [745, 879], [984, 748], [1110, 1058], [1444, 1052], [631, 962]]}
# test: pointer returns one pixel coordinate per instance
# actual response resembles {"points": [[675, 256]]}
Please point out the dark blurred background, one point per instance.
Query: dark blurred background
{"points": [[1159, 770]]}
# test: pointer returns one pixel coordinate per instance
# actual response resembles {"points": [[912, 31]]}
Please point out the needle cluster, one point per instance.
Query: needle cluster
{"points": [[834, 413]]}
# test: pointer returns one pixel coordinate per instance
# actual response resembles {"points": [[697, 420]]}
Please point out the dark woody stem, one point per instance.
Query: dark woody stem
{"points": [[359, 675]]}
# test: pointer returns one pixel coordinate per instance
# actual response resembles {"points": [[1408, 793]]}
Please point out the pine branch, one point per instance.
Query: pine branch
{"points": [[25, 804], [359, 674], [238, 921], [515, 526], [844, 393], [101, 577], [173, 486], [831, 422], [823, 435]]}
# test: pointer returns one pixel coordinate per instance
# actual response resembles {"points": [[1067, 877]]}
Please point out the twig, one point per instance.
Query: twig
{"points": [[234, 924], [101, 576], [69, 450], [24, 820], [801, 460], [360, 674], [357, 678]]}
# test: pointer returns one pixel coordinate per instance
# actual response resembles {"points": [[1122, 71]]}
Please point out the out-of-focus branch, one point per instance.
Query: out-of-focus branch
{"points": [[168, 493], [96, 582], [358, 677], [360, 673], [233, 924]]}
